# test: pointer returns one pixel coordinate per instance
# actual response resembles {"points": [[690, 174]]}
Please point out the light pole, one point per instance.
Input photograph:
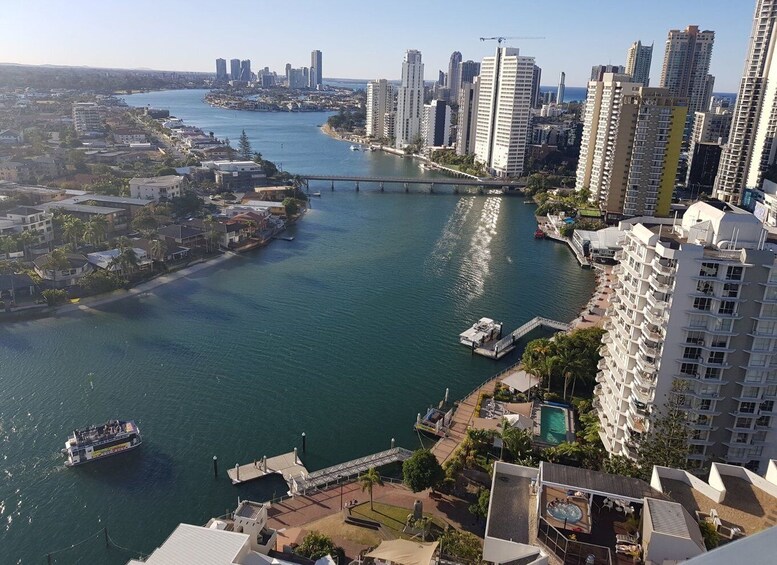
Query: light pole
{"points": [[339, 477]]}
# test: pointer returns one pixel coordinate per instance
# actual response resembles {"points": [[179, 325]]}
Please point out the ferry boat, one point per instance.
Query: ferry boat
{"points": [[484, 330], [97, 442]]}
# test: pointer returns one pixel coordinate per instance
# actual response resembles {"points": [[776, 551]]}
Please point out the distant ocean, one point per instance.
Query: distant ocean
{"points": [[571, 93]]}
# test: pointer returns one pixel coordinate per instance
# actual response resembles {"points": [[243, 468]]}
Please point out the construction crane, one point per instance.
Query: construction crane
{"points": [[499, 39]]}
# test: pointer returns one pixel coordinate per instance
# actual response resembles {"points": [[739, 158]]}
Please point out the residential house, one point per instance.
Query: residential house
{"points": [[187, 236], [157, 188], [78, 268], [236, 175], [14, 171], [106, 260], [14, 285], [125, 136], [172, 252], [117, 219], [10, 137]]}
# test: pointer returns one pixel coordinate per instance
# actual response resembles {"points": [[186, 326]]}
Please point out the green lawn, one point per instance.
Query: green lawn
{"points": [[393, 517]]}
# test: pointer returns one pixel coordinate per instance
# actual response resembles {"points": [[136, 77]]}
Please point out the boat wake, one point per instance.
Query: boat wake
{"points": [[476, 262], [449, 239]]}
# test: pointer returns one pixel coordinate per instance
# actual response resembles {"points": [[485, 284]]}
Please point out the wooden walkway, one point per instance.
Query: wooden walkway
{"points": [[463, 417]]}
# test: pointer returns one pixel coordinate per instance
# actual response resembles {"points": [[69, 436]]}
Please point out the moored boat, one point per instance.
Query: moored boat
{"points": [[483, 331], [97, 442], [538, 233]]}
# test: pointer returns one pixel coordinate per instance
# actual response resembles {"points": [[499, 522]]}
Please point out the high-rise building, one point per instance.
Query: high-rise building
{"points": [[709, 133], [410, 100], [630, 148], [245, 70], [691, 322], [86, 118], [750, 149], [454, 76], [234, 69], [536, 93], [468, 70], [638, 61], [380, 99], [316, 76], [504, 111], [686, 67], [436, 124], [597, 71], [467, 117], [221, 70], [561, 88]]}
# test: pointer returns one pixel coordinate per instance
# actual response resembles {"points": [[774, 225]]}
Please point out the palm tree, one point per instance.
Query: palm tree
{"points": [[99, 227], [57, 260], [570, 364], [28, 238], [369, 480], [516, 440], [8, 244], [157, 248], [73, 230]]}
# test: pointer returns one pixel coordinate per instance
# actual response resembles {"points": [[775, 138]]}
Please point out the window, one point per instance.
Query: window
{"points": [[741, 437], [702, 304], [765, 421], [689, 369], [726, 307], [709, 270], [734, 273], [696, 338], [704, 287], [767, 406], [730, 290], [712, 374], [716, 357], [743, 423], [747, 407], [692, 353]]}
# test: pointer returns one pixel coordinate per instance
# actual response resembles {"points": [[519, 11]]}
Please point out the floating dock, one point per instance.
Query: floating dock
{"points": [[288, 465], [497, 349]]}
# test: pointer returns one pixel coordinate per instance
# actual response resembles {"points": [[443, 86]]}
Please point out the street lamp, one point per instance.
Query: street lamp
{"points": [[339, 477]]}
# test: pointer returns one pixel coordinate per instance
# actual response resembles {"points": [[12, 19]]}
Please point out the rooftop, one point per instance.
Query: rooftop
{"points": [[509, 510], [672, 519], [597, 482], [195, 545], [166, 180], [24, 211]]}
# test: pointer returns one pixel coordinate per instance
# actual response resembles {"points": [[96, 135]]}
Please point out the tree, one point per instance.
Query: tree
{"points": [[57, 260], [27, 239], [515, 440], [369, 480], [147, 224], [460, 545], [230, 150], [157, 249], [422, 471], [244, 146], [621, 465], [316, 545], [666, 443], [72, 230], [8, 244], [291, 205], [54, 296], [480, 508]]}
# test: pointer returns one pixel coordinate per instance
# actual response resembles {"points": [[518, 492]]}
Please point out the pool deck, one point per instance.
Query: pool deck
{"points": [[568, 421]]}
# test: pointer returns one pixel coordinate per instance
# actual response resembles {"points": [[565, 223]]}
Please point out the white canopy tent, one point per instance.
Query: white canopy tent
{"points": [[520, 380], [405, 552]]}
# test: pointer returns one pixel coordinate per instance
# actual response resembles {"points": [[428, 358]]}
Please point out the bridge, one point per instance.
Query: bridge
{"points": [[308, 481], [506, 185], [499, 348]]}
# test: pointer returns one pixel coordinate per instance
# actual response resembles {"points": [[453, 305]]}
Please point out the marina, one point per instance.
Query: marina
{"points": [[498, 348], [484, 331]]}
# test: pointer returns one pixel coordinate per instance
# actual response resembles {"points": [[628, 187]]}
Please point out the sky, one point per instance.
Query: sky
{"points": [[363, 39]]}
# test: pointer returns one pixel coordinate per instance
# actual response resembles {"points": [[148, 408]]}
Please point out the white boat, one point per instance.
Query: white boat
{"points": [[96, 442], [483, 331], [354, 148]]}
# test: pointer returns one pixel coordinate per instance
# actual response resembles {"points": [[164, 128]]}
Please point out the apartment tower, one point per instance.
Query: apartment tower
{"points": [[630, 146], [751, 148], [234, 69], [561, 89], [410, 100], [467, 118], [221, 70], [693, 320], [453, 82], [638, 60], [315, 77], [380, 99], [504, 111], [686, 67]]}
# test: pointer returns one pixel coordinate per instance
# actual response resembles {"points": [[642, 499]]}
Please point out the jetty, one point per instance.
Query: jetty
{"points": [[288, 465], [496, 349]]}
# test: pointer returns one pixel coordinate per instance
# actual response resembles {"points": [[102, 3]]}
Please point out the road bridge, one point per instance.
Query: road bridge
{"points": [[505, 185]]}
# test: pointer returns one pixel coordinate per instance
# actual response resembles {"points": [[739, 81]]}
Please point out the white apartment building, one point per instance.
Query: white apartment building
{"points": [[86, 118], [410, 100], [696, 303], [436, 124], [26, 218], [467, 117], [638, 61], [156, 188], [380, 99], [504, 111], [750, 149]]}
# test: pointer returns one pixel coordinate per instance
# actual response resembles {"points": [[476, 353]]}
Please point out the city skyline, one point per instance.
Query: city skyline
{"points": [[54, 34]]}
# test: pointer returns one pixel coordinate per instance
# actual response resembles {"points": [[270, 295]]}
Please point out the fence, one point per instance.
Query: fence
{"points": [[570, 551]]}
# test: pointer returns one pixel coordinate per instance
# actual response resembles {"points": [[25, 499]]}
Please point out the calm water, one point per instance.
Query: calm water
{"points": [[345, 333]]}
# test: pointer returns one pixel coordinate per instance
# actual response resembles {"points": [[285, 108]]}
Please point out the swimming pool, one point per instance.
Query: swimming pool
{"points": [[553, 424], [565, 512]]}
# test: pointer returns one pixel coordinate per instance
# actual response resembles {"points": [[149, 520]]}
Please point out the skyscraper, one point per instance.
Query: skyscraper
{"points": [[454, 76], [234, 69], [245, 70], [467, 117], [221, 70], [630, 146], [597, 71], [638, 61], [410, 100], [750, 149], [686, 67], [436, 124], [380, 99], [691, 322], [468, 70], [504, 111], [561, 88], [316, 77], [536, 93]]}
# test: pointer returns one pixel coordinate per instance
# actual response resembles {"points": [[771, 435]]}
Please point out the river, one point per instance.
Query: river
{"points": [[345, 333]]}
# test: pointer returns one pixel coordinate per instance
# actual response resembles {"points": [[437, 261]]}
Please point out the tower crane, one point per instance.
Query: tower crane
{"points": [[499, 39]]}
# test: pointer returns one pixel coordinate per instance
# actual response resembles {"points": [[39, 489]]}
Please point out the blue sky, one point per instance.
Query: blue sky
{"points": [[363, 39]]}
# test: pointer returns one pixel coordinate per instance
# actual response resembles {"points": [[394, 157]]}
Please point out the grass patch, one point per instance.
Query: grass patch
{"points": [[394, 517], [335, 528]]}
